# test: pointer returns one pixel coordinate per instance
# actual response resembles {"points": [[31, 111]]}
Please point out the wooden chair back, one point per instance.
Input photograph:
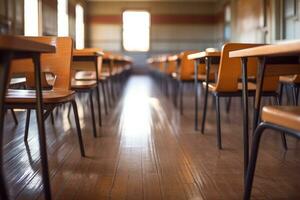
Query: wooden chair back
{"points": [[230, 70], [58, 63], [89, 66], [186, 67]]}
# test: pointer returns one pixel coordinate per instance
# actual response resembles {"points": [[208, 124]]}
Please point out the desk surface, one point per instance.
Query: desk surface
{"points": [[88, 52], [18, 44], [203, 54], [173, 57], [280, 49]]}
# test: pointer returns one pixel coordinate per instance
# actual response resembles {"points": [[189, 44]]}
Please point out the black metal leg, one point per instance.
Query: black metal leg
{"points": [[181, 98], [174, 81], [204, 109], [295, 95], [14, 116], [69, 110], [41, 128], [112, 89], [93, 114], [167, 86], [196, 93], [280, 93], [27, 123], [108, 94], [219, 141], [207, 62], [52, 118], [4, 69], [245, 115], [228, 104], [283, 138], [104, 98], [252, 163], [74, 105], [99, 105], [260, 82]]}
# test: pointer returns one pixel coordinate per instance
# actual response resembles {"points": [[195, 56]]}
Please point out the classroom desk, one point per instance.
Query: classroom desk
{"points": [[91, 55], [209, 57], [13, 47], [272, 60]]}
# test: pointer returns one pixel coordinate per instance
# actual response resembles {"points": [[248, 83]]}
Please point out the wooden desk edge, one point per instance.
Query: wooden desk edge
{"points": [[204, 54]]}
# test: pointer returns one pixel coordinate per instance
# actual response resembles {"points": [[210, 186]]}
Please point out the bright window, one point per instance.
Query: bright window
{"points": [[136, 30], [62, 18], [79, 27], [31, 18]]}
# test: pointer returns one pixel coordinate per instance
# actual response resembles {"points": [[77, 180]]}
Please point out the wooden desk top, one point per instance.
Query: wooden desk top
{"points": [[280, 49], [88, 52], [204, 54], [20, 44], [173, 57]]}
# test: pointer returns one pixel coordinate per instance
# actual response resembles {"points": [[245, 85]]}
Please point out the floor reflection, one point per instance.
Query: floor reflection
{"points": [[135, 126]]}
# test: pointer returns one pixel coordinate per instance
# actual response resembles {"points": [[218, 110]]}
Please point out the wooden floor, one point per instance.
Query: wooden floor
{"points": [[146, 150]]}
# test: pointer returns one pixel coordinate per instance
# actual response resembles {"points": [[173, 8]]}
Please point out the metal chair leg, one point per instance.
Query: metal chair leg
{"points": [[228, 105], [99, 105], [104, 98], [283, 137], [219, 139], [295, 96], [14, 116], [52, 118], [69, 110], [252, 162], [280, 93], [93, 114], [204, 110], [27, 123], [108, 94], [74, 105], [181, 98]]}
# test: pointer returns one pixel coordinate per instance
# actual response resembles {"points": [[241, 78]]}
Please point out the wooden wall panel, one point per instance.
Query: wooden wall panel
{"points": [[248, 20]]}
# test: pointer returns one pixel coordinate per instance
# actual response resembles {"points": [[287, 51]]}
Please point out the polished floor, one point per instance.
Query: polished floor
{"points": [[147, 150]]}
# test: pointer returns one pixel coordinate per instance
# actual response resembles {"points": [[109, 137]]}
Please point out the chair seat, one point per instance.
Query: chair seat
{"points": [[29, 96], [90, 75], [285, 116], [201, 77], [88, 84], [213, 87], [288, 79]]}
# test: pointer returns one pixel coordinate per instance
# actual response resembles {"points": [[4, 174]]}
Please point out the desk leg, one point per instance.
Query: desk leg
{"points": [[245, 116], [207, 63], [41, 128], [259, 87], [196, 93], [5, 62], [97, 92], [111, 66]]}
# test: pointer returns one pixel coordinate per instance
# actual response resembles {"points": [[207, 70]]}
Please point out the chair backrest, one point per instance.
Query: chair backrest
{"points": [[87, 65], [230, 69], [58, 63], [186, 67]]}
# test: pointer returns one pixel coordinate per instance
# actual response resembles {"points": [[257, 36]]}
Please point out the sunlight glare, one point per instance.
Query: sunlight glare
{"points": [[136, 30]]}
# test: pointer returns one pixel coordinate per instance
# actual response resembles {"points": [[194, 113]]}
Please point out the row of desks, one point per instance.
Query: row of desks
{"points": [[270, 57], [272, 60], [13, 47]]}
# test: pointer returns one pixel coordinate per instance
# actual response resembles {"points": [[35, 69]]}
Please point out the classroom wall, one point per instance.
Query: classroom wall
{"points": [[175, 26], [12, 16]]}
